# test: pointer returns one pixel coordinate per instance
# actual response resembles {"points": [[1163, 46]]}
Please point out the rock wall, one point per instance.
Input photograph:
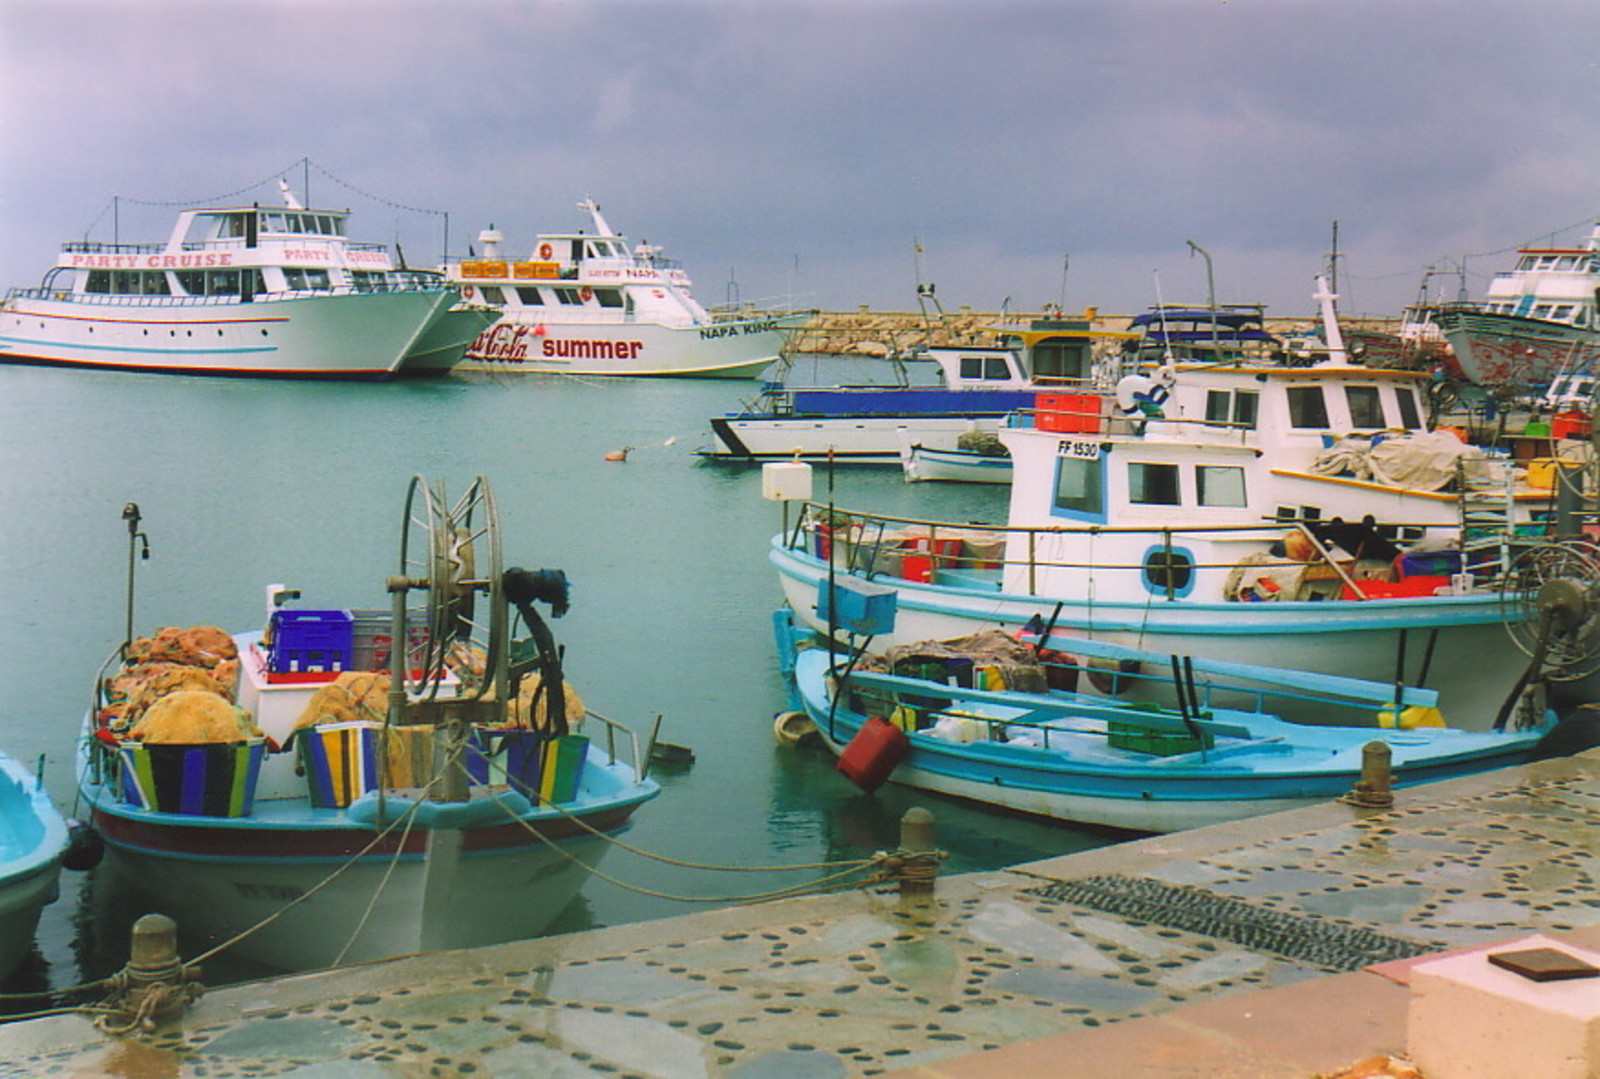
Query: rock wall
{"points": [[866, 332]]}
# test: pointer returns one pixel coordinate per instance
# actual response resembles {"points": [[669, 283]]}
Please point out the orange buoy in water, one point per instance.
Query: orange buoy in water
{"points": [[873, 753]]}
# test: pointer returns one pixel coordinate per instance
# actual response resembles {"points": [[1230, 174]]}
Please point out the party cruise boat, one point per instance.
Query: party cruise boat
{"points": [[241, 291], [1537, 321], [584, 303]]}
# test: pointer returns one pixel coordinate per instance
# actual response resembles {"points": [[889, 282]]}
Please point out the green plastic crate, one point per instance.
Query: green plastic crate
{"points": [[1141, 739]]}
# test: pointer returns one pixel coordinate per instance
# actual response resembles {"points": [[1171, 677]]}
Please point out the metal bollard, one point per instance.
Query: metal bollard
{"points": [[919, 857], [1374, 788], [154, 986]]}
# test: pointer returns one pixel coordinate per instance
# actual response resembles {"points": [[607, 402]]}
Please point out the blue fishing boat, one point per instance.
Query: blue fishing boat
{"points": [[33, 840], [945, 392], [314, 794], [922, 716]]}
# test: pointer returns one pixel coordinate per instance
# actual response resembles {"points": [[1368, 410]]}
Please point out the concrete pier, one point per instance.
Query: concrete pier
{"points": [[1277, 947]]}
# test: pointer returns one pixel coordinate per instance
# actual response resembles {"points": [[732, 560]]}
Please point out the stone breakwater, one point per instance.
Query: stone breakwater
{"points": [[865, 332]]}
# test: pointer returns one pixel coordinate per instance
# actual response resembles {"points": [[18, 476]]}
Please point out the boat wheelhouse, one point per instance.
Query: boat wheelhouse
{"points": [[1536, 321], [241, 291], [586, 303]]}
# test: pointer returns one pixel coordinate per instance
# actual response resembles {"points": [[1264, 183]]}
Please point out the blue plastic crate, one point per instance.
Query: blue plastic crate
{"points": [[305, 641]]}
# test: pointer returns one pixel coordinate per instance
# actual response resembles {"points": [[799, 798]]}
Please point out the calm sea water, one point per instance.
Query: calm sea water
{"points": [[246, 483]]}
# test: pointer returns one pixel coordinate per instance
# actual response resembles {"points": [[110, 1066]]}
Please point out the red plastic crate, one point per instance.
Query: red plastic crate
{"points": [[1069, 413], [1407, 586]]}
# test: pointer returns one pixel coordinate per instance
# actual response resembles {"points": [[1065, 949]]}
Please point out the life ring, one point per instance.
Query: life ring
{"points": [[586, 294], [1141, 395], [545, 251], [467, 292]]}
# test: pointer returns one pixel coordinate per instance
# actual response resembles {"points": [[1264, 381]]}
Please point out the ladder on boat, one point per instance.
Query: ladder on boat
{"points": [[1487, 512]]}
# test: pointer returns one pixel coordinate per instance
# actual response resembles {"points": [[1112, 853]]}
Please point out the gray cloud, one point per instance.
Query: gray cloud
{"points": [[805, 146]]}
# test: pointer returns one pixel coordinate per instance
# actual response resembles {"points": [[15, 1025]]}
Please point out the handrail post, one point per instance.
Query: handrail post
{"points": [[1166, 539]]}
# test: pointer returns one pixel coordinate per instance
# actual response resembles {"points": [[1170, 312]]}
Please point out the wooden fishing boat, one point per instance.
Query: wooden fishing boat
{"points": [[923, 719], [1538, 320], [344, 806]]}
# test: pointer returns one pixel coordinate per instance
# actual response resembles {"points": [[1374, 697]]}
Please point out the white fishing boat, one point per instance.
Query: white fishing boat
{"points": [[33, 841], [242, 291], [585, 303], [946, 392], [974, 460], [1535, 322], [1299, 516], [298, 797]]}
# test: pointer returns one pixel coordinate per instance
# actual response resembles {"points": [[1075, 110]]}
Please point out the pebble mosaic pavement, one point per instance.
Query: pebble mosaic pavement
{"points": [[866, 983]]}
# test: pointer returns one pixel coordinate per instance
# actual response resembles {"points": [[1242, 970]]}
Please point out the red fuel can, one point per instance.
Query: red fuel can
{"points": [[873, 753]]}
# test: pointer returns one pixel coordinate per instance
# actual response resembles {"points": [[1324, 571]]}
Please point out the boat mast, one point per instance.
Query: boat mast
{"points": [[1211, 293]]}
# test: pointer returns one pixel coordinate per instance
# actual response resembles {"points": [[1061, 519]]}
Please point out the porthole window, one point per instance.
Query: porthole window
{"points": [[1168, 571]]}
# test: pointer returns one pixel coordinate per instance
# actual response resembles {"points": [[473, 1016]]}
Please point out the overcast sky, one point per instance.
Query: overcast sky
{"points": [[1060, 151]]}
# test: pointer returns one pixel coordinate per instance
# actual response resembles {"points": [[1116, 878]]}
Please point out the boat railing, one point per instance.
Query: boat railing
{"points": [[615, 731], [1005, 715], [95, 247], [1086, 410], [625, 264], [887, 546], [127, 299]]}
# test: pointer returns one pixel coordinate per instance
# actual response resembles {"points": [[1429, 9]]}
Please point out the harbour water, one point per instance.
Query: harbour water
{"points": [[243, 483]]}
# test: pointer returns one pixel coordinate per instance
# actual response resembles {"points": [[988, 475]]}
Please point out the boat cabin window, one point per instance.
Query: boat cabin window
{"points": [[310, 224], [985, 368], [493, 294], [128, 282], [224, 282], [1236, 407], [529, 296], [1410, 415], [1153, 484], [369, 281], [1366, 410], [1080, 488], [300, 278], [1306, 407], [570, 296], [1219, 485], [1061, 357], [609, 297]]}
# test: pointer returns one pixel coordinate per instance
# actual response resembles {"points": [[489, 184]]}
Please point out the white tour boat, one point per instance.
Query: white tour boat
{"points": [[584, 303], [241, 291], [1220, 517], [1537, 321]]}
